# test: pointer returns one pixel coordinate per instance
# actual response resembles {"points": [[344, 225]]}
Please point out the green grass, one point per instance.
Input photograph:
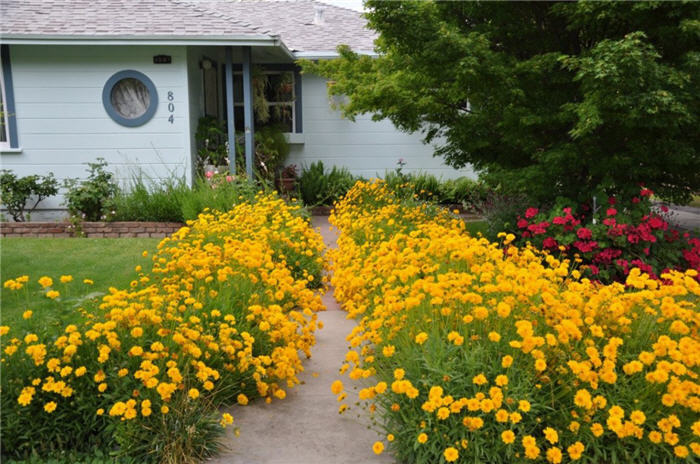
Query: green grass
{"points": [[109, 262], [696, 201], [476, 227]]}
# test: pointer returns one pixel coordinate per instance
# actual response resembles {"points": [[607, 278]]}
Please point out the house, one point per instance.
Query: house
{"points": [[128, 81]]}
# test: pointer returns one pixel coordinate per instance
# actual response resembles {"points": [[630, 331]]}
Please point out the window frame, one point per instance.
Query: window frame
{"points": [[112, 111], [8, 98], [274, 68]]}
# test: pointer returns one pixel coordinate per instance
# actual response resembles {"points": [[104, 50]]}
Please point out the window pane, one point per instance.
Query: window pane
{"points": [[282, 116], [130, 98], [280, 87], [238, 88]]}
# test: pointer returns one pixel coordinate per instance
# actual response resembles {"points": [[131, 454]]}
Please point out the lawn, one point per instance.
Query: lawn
{"points": [[109, 262], [477, 227]]}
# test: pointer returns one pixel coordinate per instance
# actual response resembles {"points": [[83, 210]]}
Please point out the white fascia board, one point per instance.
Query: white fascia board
{"points": [[329, 55], [244, 40]]}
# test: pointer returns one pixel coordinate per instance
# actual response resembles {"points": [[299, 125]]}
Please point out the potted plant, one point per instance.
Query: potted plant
{"points": [[288, 178]]}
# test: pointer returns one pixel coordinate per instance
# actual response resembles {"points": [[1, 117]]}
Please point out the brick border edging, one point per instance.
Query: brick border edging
{"points": [[89, 229]]}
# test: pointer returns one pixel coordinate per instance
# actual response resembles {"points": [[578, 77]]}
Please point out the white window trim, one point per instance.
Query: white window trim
{"points": [[5, 146]]}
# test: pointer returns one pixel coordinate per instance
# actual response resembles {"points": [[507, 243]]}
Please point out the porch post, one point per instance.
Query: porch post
{"points": [[230, 120], [248, 111]]}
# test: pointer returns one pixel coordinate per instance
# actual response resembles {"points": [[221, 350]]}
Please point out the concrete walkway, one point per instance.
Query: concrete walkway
{"points": [[305, 427]]}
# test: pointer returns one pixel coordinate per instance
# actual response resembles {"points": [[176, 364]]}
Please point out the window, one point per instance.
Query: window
{"points": [[279, 91], [130, 98], [8, 121]]}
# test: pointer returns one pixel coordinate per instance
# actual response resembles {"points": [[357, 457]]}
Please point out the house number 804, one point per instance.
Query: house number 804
{"points": [[171, 107]]}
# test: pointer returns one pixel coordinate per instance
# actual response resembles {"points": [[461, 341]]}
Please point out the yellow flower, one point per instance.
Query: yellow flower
{"points": [[508, 437], [337, 387], [554, 455], [66, 278], [52, 294], [45, 281], [27, 314], [193, 393], [681, 451], [50, 407], [164, 409], [540, 365], [507, 361], [551, 435], [378, 447], [421, 338], [388, 351], [524, 405], [100, 412], [575, 451], [638, 417], [88, 281], [451, 454], [422, 438], [597, 429], [390, 437], [242, 399], [480, 380], [226, 419]]}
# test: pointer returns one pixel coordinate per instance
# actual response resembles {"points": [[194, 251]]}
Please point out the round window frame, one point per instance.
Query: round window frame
{"points": [[112, 111]]}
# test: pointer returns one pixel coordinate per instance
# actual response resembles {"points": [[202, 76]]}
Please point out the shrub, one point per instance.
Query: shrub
{"points": [[16, 192], [223, 315], [611, 240], [90, 198], [217, 192], [426, 187], [318, 187], [485, 352]]}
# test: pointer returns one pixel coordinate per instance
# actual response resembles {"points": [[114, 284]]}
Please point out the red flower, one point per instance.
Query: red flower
{"points": [[611, 212], [612, 201], [559, 220], [664, 208], [646, 192], [635, 200], [584, 233], [549, 242], [531, 212], [522, 223]]}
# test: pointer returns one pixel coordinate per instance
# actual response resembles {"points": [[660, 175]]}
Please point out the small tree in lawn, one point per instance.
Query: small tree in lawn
{"points": [[551, 99]]}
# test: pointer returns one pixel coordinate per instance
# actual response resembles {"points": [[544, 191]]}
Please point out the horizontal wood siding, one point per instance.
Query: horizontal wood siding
{"points": [[62, 123], [368, 148]]}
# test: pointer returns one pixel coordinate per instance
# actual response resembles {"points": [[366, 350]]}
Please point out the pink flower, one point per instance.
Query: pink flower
{"points": [[584, 233], [531, 212], [209, 174], [229, 179], [611, 212]]}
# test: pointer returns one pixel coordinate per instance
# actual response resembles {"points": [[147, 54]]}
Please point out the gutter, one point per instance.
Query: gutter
{"points": [[63, 39]]}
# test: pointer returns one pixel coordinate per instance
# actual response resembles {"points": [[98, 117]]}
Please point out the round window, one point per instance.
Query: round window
{"points": [[130, 98]]}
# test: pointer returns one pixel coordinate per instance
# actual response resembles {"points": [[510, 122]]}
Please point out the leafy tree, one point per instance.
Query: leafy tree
{"points": [[552, 99]]}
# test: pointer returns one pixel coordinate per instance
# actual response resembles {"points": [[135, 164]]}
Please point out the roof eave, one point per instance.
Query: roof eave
{"points": [[63, 39]]}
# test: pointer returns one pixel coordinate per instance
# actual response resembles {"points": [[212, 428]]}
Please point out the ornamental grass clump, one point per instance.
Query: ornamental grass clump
{"points": [[225, 314], [486, 352]]}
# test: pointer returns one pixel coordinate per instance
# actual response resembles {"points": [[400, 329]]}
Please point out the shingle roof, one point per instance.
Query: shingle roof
{"points": [[117, 18], [293, 21], [134, 19]]}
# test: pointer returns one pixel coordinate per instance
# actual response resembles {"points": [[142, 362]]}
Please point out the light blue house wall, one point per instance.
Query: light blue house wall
{"points": [[62, 123], [366, 147]]}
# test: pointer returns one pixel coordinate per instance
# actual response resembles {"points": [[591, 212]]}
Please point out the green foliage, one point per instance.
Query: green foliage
{"points": [[320, 187], [15, 192], [90, 198], [150, 200], [212, 143], [423, 186], [547, 99], [271, 149], [217, 193]]}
